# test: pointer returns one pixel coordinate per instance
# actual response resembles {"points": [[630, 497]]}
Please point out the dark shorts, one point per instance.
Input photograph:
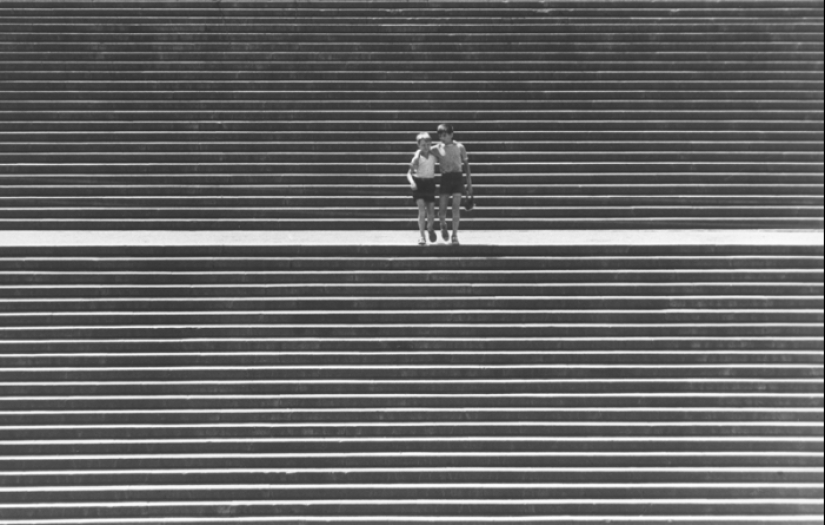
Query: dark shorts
{"points": [[452, 183], [425, 189]]}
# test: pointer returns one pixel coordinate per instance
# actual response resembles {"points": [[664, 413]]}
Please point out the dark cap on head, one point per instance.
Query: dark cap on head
{"points": [[446, 127]]}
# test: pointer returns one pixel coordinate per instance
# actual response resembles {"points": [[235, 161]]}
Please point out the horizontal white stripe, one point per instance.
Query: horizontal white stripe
{"points": [[433, 381], [411, 313], [685, 82], [738, 164], [131, 96], [424, 410], [412, 258], [411, 486], [303, 203], [591, 519], [446, 340], [433, 470], [348, 455], [402, 258], [302, 502], [423, 395], [759, 366], [506, 135], [612, 272], [275, 382], [379, 353], [491, 113], [394, 354], [333, 187], [418, 298], [387, 220], [477, 285], [428, 325], [436, 439], [236, 15], [466, 518], [427, 424]]}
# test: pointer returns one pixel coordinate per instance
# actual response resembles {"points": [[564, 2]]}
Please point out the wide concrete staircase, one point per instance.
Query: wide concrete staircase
{"points": [[284, 115], [358, 384], [559, 384]]}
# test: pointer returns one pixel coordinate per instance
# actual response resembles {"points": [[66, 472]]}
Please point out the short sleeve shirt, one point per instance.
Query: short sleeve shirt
{"points": [[423, 168]]}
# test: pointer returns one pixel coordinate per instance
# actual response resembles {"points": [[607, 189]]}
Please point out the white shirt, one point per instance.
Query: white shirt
{"points": [[423, 167]]}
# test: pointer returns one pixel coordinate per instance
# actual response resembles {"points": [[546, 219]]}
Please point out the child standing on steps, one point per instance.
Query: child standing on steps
{"points": [[421, 177], [452, 157]]}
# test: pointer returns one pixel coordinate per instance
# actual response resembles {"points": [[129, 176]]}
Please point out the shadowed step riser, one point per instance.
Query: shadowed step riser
{"points": [[207, 319], [196, 493]]}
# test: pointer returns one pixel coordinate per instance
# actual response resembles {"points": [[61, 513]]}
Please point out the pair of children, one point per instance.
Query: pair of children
{"points": [[452, 158]]}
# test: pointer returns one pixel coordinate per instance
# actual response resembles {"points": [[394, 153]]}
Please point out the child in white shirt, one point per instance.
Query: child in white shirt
{"points": [[421, 177]]}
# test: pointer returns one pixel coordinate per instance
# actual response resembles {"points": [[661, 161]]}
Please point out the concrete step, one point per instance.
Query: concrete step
{"points": [[332, 9], [207, 276], [370, 195], [400, 106], [466, 289], [788, 76], [304, 128], [416, 27], [425, 66], [756, 477], [324, 372], [389, 9], [333, 130], [344, 159], [515, 94], [421, 445], [240, 184], [102, 319], [174, 14], [380, 87], [811, 33], [247, 185], [184, 362], [638, 113], [373, 224], [366, 169], [544, 330], [29, 54], [745, 47], [462, 511], [398, 139], [399, 492]]}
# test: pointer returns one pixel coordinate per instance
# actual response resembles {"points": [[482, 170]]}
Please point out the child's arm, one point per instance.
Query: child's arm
{"points": [[466, 164], [413, 170]]}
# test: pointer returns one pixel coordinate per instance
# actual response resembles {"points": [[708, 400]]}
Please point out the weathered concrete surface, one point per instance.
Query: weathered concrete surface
{"points": [[348, 238]]}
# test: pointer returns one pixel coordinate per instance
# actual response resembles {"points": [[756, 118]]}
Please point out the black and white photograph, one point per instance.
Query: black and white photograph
{"points": [[411, 262]]}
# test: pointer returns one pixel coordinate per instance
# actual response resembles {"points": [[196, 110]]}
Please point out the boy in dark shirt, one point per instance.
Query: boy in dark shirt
{"points": [[455, 164]]}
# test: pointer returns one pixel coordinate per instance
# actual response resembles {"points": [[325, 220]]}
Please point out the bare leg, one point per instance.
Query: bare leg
{"points": [[442, 213], [430, 216], [456, 211], [422, 215]]}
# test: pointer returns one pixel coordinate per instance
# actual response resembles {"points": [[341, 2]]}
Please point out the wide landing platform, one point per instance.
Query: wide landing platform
{"points": [[404, 238]]}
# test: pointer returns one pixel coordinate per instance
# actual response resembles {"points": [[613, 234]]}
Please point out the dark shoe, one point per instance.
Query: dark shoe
{"points": [[433, 236], [445, 234]]}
